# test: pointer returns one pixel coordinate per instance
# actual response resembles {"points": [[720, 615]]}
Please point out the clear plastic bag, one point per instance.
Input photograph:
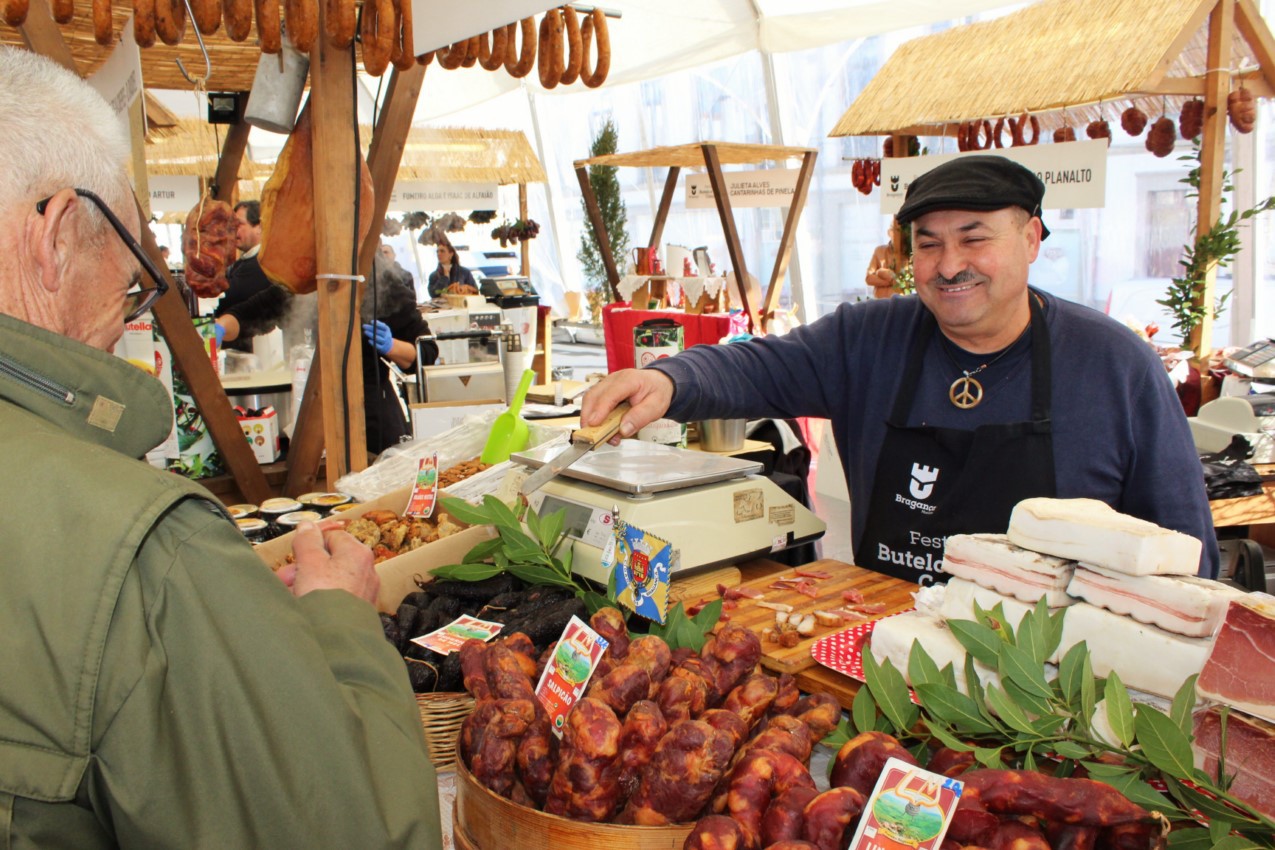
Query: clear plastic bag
{"points": [[396, 467]]}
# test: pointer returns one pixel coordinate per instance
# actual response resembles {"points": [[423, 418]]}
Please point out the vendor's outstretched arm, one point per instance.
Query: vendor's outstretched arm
{"points": [[648, 392]]}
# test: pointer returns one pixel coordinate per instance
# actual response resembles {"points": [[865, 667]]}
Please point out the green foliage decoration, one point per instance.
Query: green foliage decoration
{"points": [[606, 187]]}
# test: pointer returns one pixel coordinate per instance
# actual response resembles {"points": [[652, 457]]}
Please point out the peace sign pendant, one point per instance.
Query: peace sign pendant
{"points": [[965, 392]]}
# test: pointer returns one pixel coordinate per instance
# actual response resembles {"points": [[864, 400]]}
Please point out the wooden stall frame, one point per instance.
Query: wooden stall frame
{"points": [[675, 158], [1223, 19]]}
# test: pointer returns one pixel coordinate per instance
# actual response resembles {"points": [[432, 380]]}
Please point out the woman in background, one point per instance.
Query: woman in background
{"points": [[449, 271]]}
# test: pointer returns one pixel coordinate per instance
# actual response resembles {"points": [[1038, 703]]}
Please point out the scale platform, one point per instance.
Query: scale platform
{"points": [[713, 510]]}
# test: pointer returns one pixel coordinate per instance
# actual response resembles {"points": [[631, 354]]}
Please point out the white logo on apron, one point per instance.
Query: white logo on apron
{"points": [[922, 484]]}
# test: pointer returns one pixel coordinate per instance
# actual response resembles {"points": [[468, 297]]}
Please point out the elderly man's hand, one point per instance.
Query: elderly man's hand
{"points": [[649, 393], [330, 560]]}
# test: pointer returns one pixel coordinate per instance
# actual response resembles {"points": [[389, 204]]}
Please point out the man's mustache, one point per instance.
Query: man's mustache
{"points": [[961, 277]]}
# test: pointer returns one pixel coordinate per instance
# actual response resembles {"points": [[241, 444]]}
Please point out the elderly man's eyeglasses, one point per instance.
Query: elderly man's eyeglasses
{"points": [[137, 301]]}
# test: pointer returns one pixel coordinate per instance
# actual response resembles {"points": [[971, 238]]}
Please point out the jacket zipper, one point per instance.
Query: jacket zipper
{"points": [[37, 382]]}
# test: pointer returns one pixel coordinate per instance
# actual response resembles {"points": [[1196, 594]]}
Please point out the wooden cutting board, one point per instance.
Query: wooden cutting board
{"points": [[875, 587]]}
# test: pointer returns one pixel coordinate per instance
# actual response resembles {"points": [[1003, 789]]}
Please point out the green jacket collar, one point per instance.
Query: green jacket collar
{"points": [[94, 395]]}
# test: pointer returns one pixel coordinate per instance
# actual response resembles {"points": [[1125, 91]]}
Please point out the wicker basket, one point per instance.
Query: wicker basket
{"points": [[441, 717]]}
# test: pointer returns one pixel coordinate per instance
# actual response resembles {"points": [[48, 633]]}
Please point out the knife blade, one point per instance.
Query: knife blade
{"points": [[583, 441]]}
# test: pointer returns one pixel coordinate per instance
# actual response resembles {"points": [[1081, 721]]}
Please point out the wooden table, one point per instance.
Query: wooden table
{"points": [[1257, 512], [810, 676]]}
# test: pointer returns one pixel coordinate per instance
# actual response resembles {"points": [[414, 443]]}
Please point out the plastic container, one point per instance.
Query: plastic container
{"points": [[324, 503], [272, 509], [289, 522], [241, 511], [255, 529], [722, 435]]}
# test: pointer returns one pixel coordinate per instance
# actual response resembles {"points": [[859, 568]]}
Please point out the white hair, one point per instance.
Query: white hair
{"points": [[56, 132]]}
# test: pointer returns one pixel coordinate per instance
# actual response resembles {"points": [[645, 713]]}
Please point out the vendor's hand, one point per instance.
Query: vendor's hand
{"points": [[649, 393], [331, 560], [220, 330], [379, 337]]}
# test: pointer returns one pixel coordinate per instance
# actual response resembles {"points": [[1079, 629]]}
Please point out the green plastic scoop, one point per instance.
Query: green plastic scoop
{"points": [[509, 432]]}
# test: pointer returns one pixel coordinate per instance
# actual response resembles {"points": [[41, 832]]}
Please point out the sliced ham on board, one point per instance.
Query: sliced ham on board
{"points": [[1250, 756], [1093, 532], [992, 561], [1240, 671], [1185, 605]]}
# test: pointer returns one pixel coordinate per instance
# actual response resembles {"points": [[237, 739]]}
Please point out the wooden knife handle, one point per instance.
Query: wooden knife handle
{"points": [[605, 431]]}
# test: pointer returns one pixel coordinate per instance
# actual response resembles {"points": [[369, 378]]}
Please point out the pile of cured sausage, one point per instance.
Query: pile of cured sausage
{"points": [[564, 46]]}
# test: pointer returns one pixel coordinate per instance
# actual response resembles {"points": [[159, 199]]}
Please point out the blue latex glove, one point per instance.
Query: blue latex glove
{"points": [[379, 337], [220, 331]]}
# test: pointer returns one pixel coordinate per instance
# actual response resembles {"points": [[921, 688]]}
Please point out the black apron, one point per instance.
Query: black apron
{"points": [[931, 482]]}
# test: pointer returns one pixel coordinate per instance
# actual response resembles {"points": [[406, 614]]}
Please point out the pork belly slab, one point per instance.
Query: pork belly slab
{"points": [[1147, 658], [1093, 532], [1241, 668], [1250, 756], [992, 561], [1185, 605], [893, 637], [961, 595]]}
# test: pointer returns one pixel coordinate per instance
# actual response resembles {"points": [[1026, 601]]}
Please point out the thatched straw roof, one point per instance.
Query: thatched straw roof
{"points": [[691, 156], [193, 147], [468, 155], [1093, 57]]}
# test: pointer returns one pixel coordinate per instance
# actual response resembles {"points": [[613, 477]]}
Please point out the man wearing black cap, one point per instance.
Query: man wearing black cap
{"points": [[951, 407]]}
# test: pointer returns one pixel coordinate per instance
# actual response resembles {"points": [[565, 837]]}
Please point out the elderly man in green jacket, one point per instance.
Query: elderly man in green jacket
{"points": [[159, 687]]}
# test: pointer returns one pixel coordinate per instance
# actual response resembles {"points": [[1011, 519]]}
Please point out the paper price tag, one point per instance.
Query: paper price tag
{"points": [[452, 636], [641, 571], [909, 808], [567, 674], [425, 490]]}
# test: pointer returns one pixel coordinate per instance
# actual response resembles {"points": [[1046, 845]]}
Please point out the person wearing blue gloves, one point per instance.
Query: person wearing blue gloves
{"points": [[391, 324]]}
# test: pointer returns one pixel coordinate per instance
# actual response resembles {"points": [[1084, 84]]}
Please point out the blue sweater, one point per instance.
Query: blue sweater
{"points": [[1119, 433]]}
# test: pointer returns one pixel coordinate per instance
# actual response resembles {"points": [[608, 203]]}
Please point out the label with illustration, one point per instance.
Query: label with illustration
{"points": [[640, 561], [425, 490], [452, 636], [575, 657], [909, 808]]}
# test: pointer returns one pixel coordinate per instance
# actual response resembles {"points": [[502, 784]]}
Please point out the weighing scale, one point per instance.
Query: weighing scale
{"points": [[1254, 361], [713, 510]]}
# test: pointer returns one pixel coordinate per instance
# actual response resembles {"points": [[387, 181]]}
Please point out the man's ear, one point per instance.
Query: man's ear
{"points": [[53, 238], [1033, 235]]}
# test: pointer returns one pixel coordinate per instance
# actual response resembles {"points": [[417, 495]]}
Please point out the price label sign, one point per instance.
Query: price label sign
{"points": [[574, 659], [425, 490], [451, 637], [909, 808]]}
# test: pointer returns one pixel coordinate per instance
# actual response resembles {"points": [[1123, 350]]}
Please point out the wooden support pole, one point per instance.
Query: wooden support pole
{"points": [[191, 359], [41, 34], [900, 148], [1213, 154], [389, 138], [336, 173], [226, 181], [1249, 21], [305, 451], [721, 196], [599, 229], [804, 176], [524, 248], [661, 214]]}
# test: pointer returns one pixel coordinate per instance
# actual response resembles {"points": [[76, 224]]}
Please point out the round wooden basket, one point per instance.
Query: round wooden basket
{"points": [[441, 717], [483, 820]]}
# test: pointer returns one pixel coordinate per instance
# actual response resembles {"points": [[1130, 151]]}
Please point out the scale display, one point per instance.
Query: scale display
{"points": [[1255, 361]]}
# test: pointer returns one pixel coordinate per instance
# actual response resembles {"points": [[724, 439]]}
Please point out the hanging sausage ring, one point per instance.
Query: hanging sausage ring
{"points": [[549, 63], [519, 63], [596, 22]]}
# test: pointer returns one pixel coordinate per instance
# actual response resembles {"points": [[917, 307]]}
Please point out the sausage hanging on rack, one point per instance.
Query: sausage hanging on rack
{"points": [[1133, 121], [451, 57], [340, 23], [301, 17], [63, 10], [595, 25], [407, 43], [1018, 129], [102, 33], [1099, 129], [519, 62], [575, 56], [14, 12], [206, 15], [237, 15], [491, 49], [170, 21], [269, 30], [143, 22], [549, 62], [378, 34]]}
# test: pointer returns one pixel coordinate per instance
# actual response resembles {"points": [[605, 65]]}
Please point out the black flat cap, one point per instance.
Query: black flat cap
{"points": [[974, 183]]}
